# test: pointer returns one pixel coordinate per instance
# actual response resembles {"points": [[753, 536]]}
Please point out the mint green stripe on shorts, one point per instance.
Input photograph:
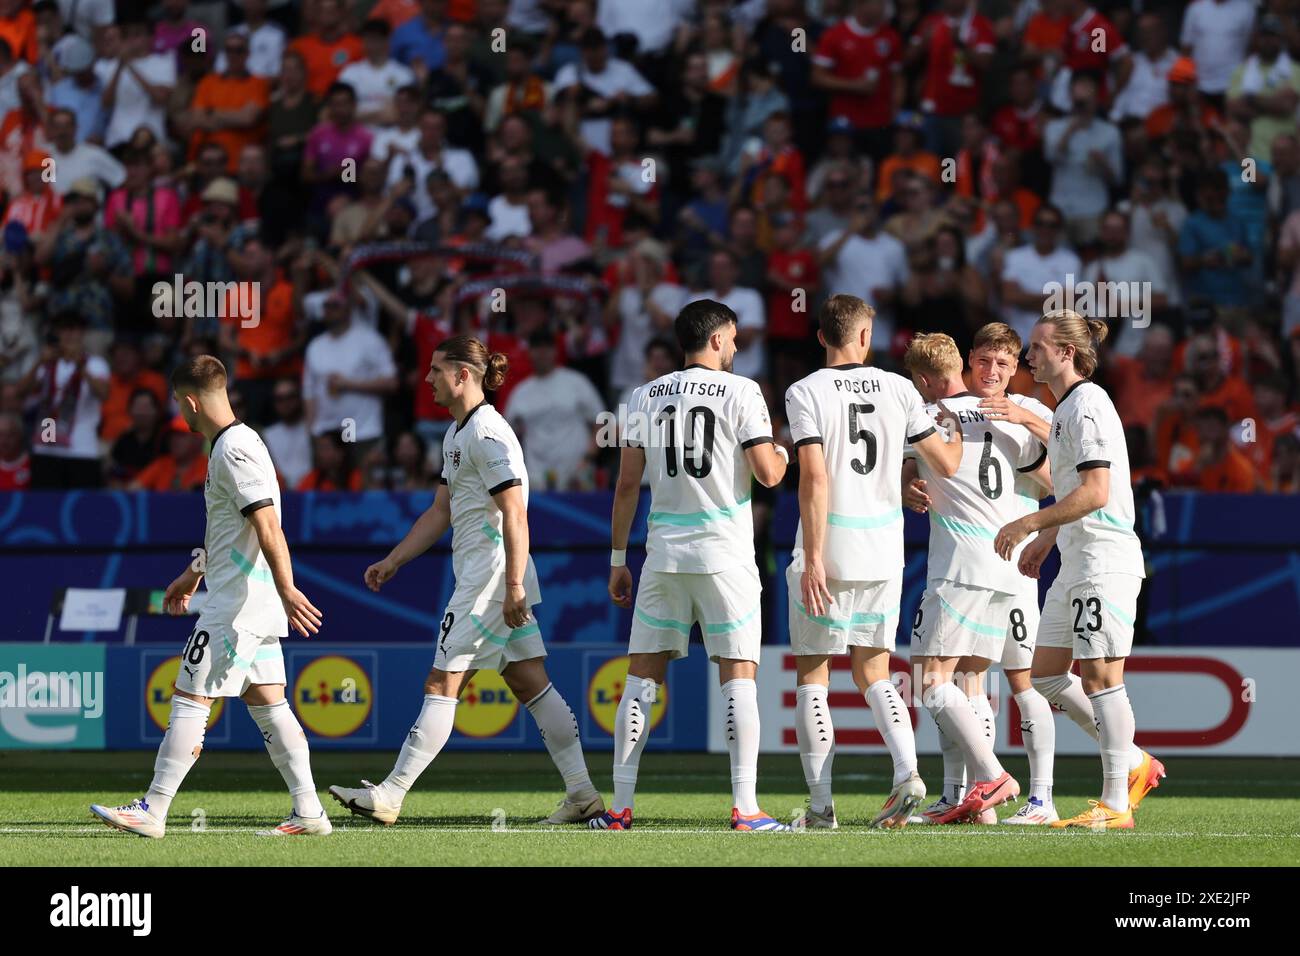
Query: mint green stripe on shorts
{"points": [[526, 631], [663, 623], [966, 622], [1119, 613], [858, 619], [249, 569], [864, 522], [726, 627], [694, 519], [962, 527]]}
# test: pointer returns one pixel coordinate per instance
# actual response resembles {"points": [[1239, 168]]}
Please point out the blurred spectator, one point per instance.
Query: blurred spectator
{"points": [[1215, 386], [617, 184], [266, 40], [1219, 465], [136, 85], [79, 89], [70, 386], [1176, 436], [1028, 270], [689, 122], [1130, 286], [1148, 82], [268, 345], [288, 439], [1142, 383], [335, 146], [77, 160], [956, 44], [643, 309], [556, 248], [128, 376], [1266, 89], [747, 303], [229, 108], [15, 462], [1155, 221], [432, 153], [140, 443], [1284, 477], [1257, 437], [1184, 110], [1214, 248], [459, 88], [1216, 33], [907, 157], [942, 292], [862, 260], [418, 43], [376, 77], [1087, 159], [858, 61], [597, 87], [554, 412], [333, 469], [332, 47]]}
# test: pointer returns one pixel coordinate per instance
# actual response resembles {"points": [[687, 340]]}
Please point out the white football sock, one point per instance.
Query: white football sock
{"points": [[1038, 728], [1116, 725], [180, 747], [631, 728], [816, 736], [954, 767], [895, 725], [983, 711], [559, 730], [952, 711], [427, 737], [741, 724], [1066, 691], [287, 745]]}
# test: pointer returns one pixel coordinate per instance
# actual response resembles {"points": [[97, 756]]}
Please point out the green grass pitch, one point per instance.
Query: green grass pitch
{"points": [[1209, 812]]}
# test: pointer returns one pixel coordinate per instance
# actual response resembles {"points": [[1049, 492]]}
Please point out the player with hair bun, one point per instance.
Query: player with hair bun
{"points": [[483, 498], [1090, 609]]}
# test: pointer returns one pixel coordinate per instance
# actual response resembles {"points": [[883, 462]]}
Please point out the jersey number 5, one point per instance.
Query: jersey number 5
{"points": [[859, 434]]}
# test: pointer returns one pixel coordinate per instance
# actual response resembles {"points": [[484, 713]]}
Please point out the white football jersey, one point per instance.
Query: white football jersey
{"points": [[481, 457], [695, 425], [241, 479], [863, 418], [968, 509], [1087, 433], [1028, 491]]}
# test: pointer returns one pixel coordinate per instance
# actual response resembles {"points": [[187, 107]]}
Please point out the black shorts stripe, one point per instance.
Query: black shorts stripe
{"points": [[504, 485], [810, 440], [252, 506], [913, 439], [1089, 465], [1034, 467]]}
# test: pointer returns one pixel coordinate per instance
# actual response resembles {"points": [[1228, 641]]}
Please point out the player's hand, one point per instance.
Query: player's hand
{"points": [[914, 496], [303, 616], [620, 586], [515, 607], [948, 421], [378, 574], [177, 598], [812, 585], [1009, 536], [1035, 553], [999, 408]]}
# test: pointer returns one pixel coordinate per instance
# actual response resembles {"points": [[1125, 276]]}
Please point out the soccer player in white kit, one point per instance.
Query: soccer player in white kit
{"points": [[1089, 612], [483, 498], [234, 650], [968, 612], [850, 424], [700, 432]]}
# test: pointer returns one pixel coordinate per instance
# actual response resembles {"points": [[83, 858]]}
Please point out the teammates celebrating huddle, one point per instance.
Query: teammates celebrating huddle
{"points": [[869, 442]]}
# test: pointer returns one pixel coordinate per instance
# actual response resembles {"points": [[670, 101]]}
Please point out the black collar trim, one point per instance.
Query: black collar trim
{"points": [[1070, 391], [218, 435], [470, 414], [849, 365]]}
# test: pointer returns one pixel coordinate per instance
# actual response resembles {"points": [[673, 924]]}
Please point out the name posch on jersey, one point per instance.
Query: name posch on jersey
{"points": [[857, 386]]}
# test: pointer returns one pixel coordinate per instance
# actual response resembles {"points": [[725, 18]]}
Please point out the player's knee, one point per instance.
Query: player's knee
{"points": [[198, 699]]}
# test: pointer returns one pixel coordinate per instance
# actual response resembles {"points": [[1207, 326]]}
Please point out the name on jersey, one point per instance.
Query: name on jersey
{"points": [[717, 389], [970, 416], [857, 386]]}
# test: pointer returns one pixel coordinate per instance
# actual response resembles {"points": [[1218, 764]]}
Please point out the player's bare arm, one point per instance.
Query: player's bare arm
{"points": [[177, 598], [914, 494], [627, 494], [814, 497], [424, 534], [514, 529], [767, 463], [1036, 552], [999, 408], [303, 615], [1092, 493], [943, 457]]}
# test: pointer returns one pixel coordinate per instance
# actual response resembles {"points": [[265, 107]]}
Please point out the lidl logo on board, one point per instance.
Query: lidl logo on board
{"points": [[606, 689], [158, 694], [333, 696], [486, 707]]}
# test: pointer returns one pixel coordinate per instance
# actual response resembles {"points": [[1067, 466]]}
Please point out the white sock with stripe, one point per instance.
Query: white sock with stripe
{"points": [[740, 718], [426, 739], [1038, 727], [952, 711], [1066, 692], [180, 747], [287, 745], [895, 725], [559, 730], [816, 736], [631, 728], [1116, 726]]}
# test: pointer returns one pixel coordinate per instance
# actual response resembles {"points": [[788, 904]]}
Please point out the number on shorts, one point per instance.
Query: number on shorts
{"points": [[857, 434], [1019, 632], [1094, 609], [916, 621], [448, 620], [194, 647], [991, 488]]}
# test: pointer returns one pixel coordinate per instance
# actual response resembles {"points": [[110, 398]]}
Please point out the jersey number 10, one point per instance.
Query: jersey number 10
{"points": [[696, 459]]}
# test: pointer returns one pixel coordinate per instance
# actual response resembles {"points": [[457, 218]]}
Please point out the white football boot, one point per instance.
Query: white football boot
{"points": [[934, 811], [577, 811], [133, 817], [1033, 813], [903, 799], [295, 825], [367, 801], [817, 819]]}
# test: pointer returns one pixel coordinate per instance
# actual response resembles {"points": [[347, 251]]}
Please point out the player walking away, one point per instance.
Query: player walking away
{"points": [[1091, 606], [483, 498], [700, 432], [968, 612], [966, 609], [850, 424], [234, 650]]}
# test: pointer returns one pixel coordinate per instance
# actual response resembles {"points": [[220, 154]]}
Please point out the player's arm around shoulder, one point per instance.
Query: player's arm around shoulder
{"points": [[303, 615], [627, 494], [943, 457]]}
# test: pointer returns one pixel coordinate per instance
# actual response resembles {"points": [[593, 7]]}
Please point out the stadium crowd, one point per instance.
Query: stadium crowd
{"points": [[561, 176]]}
